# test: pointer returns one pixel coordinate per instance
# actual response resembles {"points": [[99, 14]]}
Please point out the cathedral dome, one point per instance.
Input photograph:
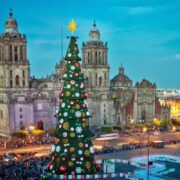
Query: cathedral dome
{"points": [[94, 34], [121, 80], [11, 25]]}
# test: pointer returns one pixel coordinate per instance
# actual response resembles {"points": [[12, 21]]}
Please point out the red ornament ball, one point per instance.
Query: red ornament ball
{"points": [[69, 62], [98, 167], [76, 74], [63, 169], [85, 95], [63, 159], [72, 103], [83, 119]]}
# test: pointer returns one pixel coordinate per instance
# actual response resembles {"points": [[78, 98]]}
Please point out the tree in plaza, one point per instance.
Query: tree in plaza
{"points": [[73, 152]]}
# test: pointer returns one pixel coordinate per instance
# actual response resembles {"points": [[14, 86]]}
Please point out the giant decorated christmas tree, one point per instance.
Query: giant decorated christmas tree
{"points": [[73, 152]]}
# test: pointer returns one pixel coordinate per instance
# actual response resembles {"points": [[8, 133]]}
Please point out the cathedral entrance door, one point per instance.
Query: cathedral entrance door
{"points": [[143, 115], [40, 125]]}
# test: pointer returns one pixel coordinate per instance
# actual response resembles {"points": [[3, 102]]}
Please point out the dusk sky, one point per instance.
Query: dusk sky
{"points": [[142, 35]]}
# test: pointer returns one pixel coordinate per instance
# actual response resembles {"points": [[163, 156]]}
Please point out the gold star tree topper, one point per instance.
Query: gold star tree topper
{"points": [[72, 26]]}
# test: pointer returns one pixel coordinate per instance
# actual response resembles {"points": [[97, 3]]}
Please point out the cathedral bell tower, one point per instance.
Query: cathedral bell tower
{"points": [[94, 61], [14, 66], [96, 73]]}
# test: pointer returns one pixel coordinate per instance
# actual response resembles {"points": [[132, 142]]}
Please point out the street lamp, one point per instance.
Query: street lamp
{"points": [[145, 130], [174, 128], [31, 128]]}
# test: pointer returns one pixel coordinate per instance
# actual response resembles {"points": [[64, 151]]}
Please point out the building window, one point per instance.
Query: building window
{"points": [[11, 73], [11, 83], [20, 116], [15, 53], [39, 107], [20, 109], [1, 114], [23, 73], [10, 53], [100, 81], [21, 52], [17, 80], [23, 83]]}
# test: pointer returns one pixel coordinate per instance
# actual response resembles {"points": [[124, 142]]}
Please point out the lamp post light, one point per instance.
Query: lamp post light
{"points": [[145, 130], [31, 128]]}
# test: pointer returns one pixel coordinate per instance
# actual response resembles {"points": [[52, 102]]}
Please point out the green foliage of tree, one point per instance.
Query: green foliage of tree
{"points": [[106, 129], [127, 127], [175, 122], [139, 125], [73, 153], [118, 127], [148, 125], [165, 122]]}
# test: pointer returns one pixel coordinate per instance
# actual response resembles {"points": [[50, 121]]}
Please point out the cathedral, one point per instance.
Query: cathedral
{"points": [[26, 100]]}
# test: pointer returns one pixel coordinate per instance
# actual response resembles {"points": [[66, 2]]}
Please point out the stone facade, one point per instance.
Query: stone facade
{"points": [[25, 100]]}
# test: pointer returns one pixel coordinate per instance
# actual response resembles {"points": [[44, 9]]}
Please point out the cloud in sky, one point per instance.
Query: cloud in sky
{"points": [[177, 56]]}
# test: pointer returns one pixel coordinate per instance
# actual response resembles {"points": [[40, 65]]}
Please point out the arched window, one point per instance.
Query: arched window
{"points": [[100, 81], [88, 57], [23, 74], [17, 80], [96, 57], [23, 83], [99, 57], [1, 114], [11, 83], [11, 73]]}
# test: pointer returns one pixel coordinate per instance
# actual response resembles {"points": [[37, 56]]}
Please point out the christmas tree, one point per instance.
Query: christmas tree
{"points": [[73, 152]]}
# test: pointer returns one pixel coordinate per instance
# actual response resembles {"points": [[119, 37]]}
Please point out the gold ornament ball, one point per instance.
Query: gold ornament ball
{"points": [[80, 145], [72, 134], [70, 163], [66, 125], [87, 153], [87, 164]]}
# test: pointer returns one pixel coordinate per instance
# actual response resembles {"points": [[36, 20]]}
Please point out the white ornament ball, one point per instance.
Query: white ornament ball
{"points": [[65, 114], [65, 134], [80, 152], [71, 75], [63, 105], [57, 148], [79, 129], [87, 113], [72, 82], [77, 94], [78, 170], [68, 86], [69, 54], [65, 150], [61, 121], [72, 67], [91, 149], [86, 145], [78, 114], [60, 126], [82, 85], [65, 75], [72, 129]]}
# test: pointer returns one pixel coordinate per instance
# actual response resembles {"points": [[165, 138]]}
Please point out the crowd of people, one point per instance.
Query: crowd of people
{"points": [[22, 166], [27, 166], [130, 146], [14, 142]]}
